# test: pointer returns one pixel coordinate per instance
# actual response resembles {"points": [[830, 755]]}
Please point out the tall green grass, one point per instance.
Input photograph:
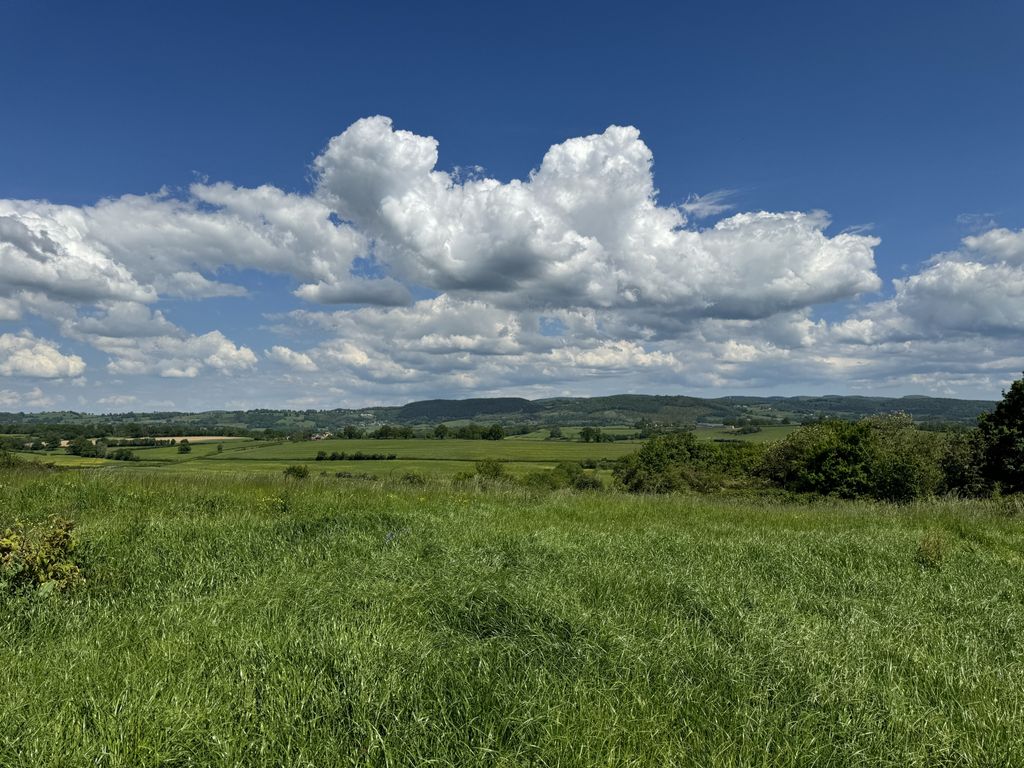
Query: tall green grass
{"points": [[240, 621]]}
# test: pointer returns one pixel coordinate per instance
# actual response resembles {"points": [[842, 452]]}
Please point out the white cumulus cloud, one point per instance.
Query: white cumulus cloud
{"points": [[22, 354], [585, 229]]}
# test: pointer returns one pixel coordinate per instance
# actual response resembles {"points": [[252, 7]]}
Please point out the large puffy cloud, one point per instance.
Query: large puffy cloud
{"points": [[23, 354], [572, 279], [975, 291], [584, 230], [176, 356], [139, 247], [43, 251], [297, 361], [33, 398]]}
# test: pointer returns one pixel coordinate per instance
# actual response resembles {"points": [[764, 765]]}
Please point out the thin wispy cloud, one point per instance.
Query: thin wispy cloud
{"points": [[710, 204]]}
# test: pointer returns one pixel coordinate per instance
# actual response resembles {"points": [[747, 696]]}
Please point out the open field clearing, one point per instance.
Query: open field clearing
{"points": [[433, 457], [520, 454], [61, 459], [432, 450], [179, 438], [227, 620], [385, 469], [767, 434]]}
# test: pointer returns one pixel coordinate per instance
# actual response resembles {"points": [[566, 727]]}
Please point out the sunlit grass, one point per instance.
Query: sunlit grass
{"points": [[245, 621]]}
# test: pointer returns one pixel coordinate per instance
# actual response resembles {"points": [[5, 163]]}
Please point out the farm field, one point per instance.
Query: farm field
{"points": [[231, 620], [520, 454], [767, 434], [433, 457]]}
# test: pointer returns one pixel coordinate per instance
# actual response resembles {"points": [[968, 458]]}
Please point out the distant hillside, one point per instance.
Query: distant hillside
{"points": [[566, 411], [923, 409], [481, 408]]}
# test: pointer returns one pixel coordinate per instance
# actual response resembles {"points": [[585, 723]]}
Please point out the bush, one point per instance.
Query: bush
{"points": [[930, 552], [882, 457], [412, 478], [962, 464], [905, 462], [297, 471], [829, 458], [491, 469], [568, 474], [1002, 439], [678, 461], [40, 558]]}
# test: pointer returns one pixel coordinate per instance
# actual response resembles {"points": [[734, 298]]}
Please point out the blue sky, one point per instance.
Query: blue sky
{"points": [[901, 121]]}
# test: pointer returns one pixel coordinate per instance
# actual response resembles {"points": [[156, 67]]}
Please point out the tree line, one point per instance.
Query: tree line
{"points": [[880, 457]]}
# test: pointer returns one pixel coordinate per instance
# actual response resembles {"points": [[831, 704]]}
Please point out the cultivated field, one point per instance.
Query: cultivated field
{"points": [[229, 620], [520, 454]]}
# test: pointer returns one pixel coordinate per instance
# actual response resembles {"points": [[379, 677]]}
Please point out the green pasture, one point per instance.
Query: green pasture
{"points": [[571, 433], [61, 459], [520, 454], [396, 468], [767, 434], [171, 453], [236, 620], [435, 450]]}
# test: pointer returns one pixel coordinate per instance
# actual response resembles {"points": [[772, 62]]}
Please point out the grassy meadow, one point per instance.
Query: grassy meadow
{"points": [[233, 619], [520, 454]]}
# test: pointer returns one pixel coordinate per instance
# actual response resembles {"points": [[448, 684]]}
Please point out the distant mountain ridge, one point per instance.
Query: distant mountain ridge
{"points": [[565, 411]]}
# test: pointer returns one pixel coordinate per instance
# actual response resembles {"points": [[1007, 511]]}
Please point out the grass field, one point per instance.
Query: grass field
{"points": [[432, 457], [521, 454], [230, 620], [767, 434]]}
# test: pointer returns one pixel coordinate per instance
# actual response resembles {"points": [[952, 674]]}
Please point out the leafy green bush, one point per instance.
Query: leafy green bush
{"points": [[491, 469], [568, 474], [1002, 438], [882, 457], [412, 478], [678, 461], [297, 471], [40, 558], [930, 552], [665, 463], [906, 463], [962, 464], [829, 458]]}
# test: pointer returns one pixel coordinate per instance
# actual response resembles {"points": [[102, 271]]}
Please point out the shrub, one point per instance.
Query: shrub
{"points": [[1002, 439], [930, 552], [9, 461], [830, 458], [491, 469], [905, 462], [882, 457], [678, 461], [962, 464], [297, 471], [41, 558], [568, 474], [413, 478]]}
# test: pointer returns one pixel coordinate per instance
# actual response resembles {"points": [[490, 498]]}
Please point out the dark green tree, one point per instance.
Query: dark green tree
{"points": [[665, 463], [1002, 438]]}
